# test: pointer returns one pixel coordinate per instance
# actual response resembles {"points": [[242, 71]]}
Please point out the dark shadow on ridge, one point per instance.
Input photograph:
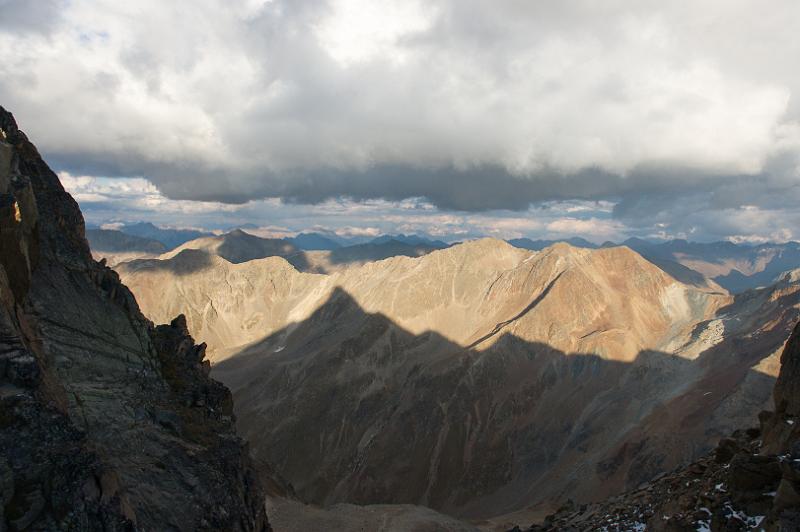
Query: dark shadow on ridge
{"points": [[351, 407], [186, 262], [357, 254], [238, 247]]}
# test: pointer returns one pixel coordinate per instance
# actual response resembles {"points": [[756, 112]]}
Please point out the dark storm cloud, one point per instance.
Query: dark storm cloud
{"points": [[660, 108]]}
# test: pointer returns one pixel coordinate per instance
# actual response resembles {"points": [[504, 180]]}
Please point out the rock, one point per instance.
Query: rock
{"points": [[754, 472], [787, 387], [169, 420], [6, 483], [6, 153], [81, 368], [725, 450], [780, 428], [787, 495]]}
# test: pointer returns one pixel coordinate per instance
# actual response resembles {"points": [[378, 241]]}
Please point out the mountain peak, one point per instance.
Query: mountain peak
{"points": [[238, 233]]}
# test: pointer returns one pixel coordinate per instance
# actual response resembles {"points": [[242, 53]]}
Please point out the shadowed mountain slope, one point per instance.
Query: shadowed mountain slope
{"points": [[106, 422], [116, 246], [751, 481], [479, 379], [110, 240], [407, 418], [238, 247], [357, 255]]}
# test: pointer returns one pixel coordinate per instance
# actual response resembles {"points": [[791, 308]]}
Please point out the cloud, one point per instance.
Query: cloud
{"points": [[21, 16], [109, 201], [473, 105], [593, 228]]}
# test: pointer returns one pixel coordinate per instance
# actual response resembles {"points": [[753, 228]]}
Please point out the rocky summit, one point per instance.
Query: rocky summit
{"points": [[107, 422]]}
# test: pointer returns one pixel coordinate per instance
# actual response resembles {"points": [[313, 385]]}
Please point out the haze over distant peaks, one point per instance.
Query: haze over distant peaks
{"points": [[736, 267], [168, 236]]}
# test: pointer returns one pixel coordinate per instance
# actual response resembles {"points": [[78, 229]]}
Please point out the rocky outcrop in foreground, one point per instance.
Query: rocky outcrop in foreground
{"points": [[106, 422], [750, 482]]}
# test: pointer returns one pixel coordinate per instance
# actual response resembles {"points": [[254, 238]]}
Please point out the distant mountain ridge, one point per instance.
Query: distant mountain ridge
{"points": [[735, 267], [305, 240], [314, 242], [537, 245], [239, 246], [112, 240], [322, 242], [412, 240], [171, 238]]}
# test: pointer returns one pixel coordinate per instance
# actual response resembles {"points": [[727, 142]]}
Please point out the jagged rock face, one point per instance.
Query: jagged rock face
{"points": [[479, 379], [787, 388], [781, 427], [105, 421]]}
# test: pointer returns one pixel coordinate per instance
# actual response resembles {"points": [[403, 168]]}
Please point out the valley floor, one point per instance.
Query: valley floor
{"points": [[288, 515]]}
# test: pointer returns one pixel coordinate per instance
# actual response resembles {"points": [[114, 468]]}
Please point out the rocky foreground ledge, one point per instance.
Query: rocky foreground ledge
{"points": [[751, 481], [106, 422]]}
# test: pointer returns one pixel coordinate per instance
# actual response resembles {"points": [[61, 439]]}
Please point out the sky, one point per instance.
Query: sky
{"points": [[454, 118]]}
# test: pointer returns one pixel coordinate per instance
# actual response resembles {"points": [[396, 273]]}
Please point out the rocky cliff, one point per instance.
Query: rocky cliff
{"points": [[106, 422]]}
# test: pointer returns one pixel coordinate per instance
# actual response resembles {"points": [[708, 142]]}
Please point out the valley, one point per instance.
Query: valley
{"points": [[478, 380]]}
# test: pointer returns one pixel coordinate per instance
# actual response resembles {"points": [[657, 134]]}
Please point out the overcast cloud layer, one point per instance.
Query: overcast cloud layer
{"points": [[681, 118]]}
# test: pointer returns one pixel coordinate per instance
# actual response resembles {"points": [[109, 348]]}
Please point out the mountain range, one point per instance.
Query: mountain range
{"points": [[470, 353], [735, 267]]}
